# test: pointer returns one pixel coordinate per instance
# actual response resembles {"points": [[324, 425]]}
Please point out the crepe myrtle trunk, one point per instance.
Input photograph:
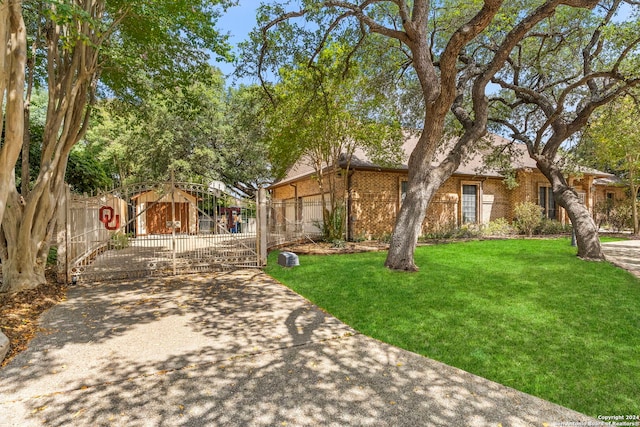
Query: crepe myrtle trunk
{"points": [[585, 228], [24, 245]]}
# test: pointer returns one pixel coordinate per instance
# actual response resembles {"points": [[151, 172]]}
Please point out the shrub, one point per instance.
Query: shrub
{"points": [[383, 238], [338, 243], [602, 211], [332, 225], [119, 240], [552, 226], [464, 232], [52, 256], [498, 227], [528, 217], [621, 216]]}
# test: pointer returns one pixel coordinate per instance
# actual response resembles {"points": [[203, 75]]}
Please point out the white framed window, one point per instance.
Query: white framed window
{"points": [[547, 202], [470, 199]]}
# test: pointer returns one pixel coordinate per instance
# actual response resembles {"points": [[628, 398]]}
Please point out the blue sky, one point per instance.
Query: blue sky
{"points": [[238, 21]]}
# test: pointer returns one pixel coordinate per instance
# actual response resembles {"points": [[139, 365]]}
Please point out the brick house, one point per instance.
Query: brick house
{"points": [[474, 194]]}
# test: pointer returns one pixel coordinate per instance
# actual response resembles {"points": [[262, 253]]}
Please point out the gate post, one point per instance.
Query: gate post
{"points": [[261, 229], [62, 235]]}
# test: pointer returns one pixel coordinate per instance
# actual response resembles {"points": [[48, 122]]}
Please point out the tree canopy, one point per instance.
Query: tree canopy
{"points": [[546, 106], [452, 50], [320, 115], [201, 132]]}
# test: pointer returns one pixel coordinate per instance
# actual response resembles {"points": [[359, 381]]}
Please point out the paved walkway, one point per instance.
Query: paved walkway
{"points": [[236, 349], [625, 254]]}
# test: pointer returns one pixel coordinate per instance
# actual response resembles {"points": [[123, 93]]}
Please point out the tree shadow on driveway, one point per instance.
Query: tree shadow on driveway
{"points": [[235, 349]]}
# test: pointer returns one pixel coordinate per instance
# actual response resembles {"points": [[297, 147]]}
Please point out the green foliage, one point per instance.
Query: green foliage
{"points": [[326, 111], [333, 223], [119, 240], [38, 112], [499, 227], [552, 227], [466, 231], [528, 216], [52, 256], [202, 133], [383, 238], [338, 243], [506, 310], [612, 142], [85, 172], [616, 215], [144, 45]]}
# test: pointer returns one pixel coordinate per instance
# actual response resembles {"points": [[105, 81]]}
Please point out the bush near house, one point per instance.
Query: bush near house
{"points": [[501, 227], [528, 217], [617, 215]]}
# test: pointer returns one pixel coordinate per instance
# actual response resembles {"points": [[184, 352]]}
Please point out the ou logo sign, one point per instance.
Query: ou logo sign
{"points": [[106, 215]]}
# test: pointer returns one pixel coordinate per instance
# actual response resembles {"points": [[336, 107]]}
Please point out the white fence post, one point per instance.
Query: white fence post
{"points": [[62, 235], [261, 229]]}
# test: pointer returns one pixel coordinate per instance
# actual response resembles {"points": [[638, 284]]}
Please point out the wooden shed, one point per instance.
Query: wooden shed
{"points": [[155, 214]]}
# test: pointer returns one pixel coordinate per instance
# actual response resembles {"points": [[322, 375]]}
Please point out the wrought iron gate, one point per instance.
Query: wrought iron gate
{"points": [[158, 229]]}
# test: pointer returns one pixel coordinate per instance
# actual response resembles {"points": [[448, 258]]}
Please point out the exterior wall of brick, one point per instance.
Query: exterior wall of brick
{"points": [[376, 197], [375, 202], [304, 187], [609, 192]]}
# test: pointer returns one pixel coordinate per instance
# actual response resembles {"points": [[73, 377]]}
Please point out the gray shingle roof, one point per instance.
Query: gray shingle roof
{"points": [[473, 166]]}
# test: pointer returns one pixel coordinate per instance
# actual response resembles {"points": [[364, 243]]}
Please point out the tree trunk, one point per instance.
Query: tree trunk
{"points": [[13, 59], [634, 198], [26, 144], [408, 225], [587, 238], [424, 182], [25, 234]]}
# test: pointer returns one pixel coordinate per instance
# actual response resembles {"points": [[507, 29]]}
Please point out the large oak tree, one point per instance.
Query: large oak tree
{"points": [[555, 79], [439, 41]]}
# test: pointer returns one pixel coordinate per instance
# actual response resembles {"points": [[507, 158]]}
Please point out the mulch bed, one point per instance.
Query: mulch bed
{"points": [[19, 313], [323, 248]]}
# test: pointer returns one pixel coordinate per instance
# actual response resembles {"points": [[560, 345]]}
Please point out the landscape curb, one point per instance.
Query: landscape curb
{"points": [[4, 346]]}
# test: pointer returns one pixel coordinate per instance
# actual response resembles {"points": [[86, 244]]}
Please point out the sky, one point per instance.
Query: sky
{"points": [[238, 21]]}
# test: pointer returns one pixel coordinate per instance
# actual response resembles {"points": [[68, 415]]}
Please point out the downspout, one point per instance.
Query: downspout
{"points": [[349, 200], [295, 207]]}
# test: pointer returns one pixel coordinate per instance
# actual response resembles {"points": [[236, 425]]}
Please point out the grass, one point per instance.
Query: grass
{"points": [[524, 313]]}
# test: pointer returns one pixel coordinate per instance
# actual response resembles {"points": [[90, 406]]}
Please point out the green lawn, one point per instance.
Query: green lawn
{"points": [[525, 313]]}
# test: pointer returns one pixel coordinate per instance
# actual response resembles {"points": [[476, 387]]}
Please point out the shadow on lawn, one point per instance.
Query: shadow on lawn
{"points": [[234, 349]]}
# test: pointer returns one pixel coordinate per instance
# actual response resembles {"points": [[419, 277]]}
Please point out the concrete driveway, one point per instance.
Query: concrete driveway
{"points": [[625, 254], [236, 349]]}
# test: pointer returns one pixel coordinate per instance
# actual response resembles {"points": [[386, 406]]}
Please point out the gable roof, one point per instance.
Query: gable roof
{"points": [[472, 166]]}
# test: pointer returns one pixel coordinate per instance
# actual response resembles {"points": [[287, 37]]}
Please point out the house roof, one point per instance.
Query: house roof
{"points": [[473, 166], [610, 180]]}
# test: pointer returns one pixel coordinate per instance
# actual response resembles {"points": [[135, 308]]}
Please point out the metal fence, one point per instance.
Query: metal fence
{"points": [[293, 220], [156, 229]]}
